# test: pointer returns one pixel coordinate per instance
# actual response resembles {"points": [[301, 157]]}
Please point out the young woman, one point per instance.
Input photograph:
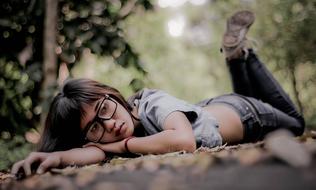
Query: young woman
{"points": [[88, 119]]}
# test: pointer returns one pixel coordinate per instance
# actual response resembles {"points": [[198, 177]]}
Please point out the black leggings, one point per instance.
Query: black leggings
{"points": [[260, 101], [255, 84]]}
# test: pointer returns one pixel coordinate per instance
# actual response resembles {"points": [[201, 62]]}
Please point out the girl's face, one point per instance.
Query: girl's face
{"points": [[106, 121]]}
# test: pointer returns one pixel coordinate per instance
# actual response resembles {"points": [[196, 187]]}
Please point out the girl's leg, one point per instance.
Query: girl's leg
{"points": [[275, 110], [233, 44], [251, 78], [239, 76], [266, 88], [265, 85]]}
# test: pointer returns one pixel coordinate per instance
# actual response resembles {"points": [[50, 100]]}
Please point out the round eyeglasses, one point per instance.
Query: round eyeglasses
{"points": [[96, 128]]}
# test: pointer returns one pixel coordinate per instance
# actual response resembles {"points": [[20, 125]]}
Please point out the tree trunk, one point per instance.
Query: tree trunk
{"points": [[295, 90], [50, 58]]}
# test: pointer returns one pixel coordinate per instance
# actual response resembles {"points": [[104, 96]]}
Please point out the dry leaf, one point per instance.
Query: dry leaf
{"points": [[163, 181], [4, 176], [119, 160], [250, 156], [84, 177], [70, 170], [151, 165], [282, 145], [203, 163], [58, 182], [113, 186]]}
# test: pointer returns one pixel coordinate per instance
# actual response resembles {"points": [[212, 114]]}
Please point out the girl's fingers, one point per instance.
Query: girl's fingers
{"points": [[33, 157], [27, 168], [16, 167], [27, 163], [109, 147], [46, 164], [86, 145], [97, 145], [90, 144]]}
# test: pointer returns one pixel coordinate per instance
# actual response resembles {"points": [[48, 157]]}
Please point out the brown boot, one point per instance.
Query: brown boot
{"points": [[234, 39]]}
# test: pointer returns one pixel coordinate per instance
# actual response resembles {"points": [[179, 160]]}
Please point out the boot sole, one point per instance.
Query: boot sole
{"points": [[237, 27]]}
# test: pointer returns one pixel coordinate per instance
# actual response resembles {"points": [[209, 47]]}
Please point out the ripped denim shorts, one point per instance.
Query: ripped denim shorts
{"points": [[254, 114]]}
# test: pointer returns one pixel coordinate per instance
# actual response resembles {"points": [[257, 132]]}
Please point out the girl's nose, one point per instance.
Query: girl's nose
{"points": [[109, 125]]}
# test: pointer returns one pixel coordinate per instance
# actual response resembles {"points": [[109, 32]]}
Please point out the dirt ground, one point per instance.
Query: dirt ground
{"points": [[278, 162]]}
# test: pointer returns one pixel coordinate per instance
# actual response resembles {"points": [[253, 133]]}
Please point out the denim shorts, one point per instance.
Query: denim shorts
{"points": [[254, 114]]}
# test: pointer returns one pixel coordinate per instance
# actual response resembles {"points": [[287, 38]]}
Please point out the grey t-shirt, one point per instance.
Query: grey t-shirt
{"points": [[155, 105]]}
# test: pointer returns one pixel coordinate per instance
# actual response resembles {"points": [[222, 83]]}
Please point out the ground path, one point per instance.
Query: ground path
{"points": [[278, 162]]}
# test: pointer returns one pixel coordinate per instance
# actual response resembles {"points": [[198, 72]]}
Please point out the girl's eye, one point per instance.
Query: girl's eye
{"points": [[104, 109], [94, 127]]}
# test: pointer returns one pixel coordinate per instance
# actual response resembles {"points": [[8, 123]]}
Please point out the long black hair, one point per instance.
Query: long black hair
{"points": [[62, 127]]}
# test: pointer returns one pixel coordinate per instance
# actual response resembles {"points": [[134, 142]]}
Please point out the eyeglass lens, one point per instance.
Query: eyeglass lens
{"points": [[106, 112]]}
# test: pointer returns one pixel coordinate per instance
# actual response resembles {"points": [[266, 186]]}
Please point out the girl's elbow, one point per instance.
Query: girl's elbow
{"points": [[188, 145], [191, 147]]}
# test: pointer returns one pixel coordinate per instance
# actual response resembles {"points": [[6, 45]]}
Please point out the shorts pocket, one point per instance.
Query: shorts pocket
{"points": [[265, 113]]}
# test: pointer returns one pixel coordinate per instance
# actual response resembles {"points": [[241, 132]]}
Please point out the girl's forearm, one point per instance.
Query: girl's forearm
{"points": [[163, 142], [81, 156]]}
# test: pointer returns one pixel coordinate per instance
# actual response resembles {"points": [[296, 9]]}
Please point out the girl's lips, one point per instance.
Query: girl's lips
{"points": [[123, 128], [120, 129]]}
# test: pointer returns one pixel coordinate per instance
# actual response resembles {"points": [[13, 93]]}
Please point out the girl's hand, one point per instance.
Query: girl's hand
{"points": [[115, 147], [46, 161]]}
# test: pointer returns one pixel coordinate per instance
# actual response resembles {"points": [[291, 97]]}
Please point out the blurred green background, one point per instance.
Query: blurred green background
{"points": [[170, 45]]}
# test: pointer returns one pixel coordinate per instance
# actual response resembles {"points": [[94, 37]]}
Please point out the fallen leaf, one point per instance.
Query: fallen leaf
{"points": [[250, 156], [163, 181], [112, 186], [202, 164], [70, 170], [85, 177], [4, 176], [56, 182], [150, 165], [284, 146]]}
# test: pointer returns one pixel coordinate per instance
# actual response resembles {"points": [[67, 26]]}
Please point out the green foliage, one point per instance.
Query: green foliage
{"points": [[189, 68], [15, 98], [193, 71], [20, 58], [90, 24], [290, 32], [95, 24], [12, 150]]}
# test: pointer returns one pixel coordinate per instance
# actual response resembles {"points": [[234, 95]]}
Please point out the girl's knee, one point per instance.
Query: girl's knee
{"points": [[301, 126], [298, 127]]}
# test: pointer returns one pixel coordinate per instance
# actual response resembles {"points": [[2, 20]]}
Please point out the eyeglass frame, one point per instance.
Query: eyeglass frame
{"points": [[99, 119]]}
